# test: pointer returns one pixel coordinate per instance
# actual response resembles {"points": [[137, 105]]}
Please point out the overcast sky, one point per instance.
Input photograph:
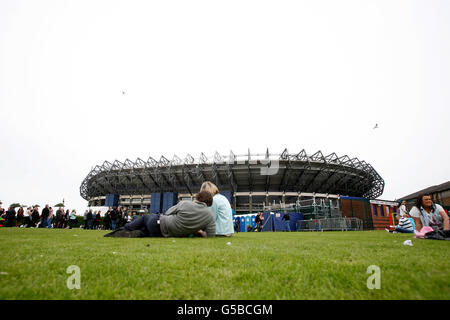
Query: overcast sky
{"points": [[206, 76]]}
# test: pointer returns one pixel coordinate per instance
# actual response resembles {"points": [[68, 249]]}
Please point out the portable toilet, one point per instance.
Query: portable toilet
{"points": [[242, 224], [253, 223], [248, 222]]}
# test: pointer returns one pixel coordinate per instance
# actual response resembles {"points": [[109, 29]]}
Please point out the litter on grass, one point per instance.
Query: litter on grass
{"points": [[408, 243]]}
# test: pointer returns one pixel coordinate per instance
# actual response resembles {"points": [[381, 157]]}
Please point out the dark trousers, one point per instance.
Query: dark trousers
{"points": [[9, 222], [44, 222], [148, 224]]}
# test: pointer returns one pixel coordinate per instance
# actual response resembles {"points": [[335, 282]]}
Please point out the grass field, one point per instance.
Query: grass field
{"points": [[328, 265]]}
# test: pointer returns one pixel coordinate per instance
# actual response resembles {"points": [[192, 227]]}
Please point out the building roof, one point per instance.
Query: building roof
{"points": [[437, 188]]}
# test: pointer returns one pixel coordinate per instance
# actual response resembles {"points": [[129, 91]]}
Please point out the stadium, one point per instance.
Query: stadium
{"points": [[313, 185]]}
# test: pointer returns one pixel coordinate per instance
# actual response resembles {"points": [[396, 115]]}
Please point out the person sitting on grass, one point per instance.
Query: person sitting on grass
{"points": [[182, 220], [429, 214], [404, 225], [221, 209]]}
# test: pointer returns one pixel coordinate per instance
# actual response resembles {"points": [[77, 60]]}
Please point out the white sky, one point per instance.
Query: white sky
{"points": [[202, 76]]}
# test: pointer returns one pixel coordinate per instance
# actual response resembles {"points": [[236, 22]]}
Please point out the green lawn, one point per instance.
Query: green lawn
{"points": [[328, 265]]}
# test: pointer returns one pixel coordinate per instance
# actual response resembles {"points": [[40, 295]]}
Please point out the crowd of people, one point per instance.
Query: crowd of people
{"points": [[208, 215], [31, 217], [114, 218]]}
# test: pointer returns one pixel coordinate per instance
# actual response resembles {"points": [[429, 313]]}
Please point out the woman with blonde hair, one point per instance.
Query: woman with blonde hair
{"points": [[222, 210]]}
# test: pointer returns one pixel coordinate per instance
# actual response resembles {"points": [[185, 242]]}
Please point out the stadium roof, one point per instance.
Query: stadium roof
{"points": [[437, 188], [287, 172]]}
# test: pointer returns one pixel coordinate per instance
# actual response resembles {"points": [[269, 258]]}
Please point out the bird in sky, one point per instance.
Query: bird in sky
{"points": [[123, 92], [376, 126]]}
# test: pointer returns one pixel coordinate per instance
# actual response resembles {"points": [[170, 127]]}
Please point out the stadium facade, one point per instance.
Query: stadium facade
{"points": [[252, 182]]}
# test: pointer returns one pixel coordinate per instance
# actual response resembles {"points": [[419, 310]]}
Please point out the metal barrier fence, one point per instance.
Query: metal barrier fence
{"points": [[319, 208], [314, 208], [330, 224]]}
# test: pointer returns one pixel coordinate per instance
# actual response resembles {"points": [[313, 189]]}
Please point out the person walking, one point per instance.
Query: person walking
{"points": [[10, 216], [98, 219], [35, 217], [85, 219], [107, 220], [287, 221], [126, 215], [66, 219], [259, 221], [89, 219], [50, 218], [58, 219], [120, 222], [20, 217], [63, 223], [95, 222], [72, 218], [26, 217], [44, 217], [237, 225], [114, 217]]}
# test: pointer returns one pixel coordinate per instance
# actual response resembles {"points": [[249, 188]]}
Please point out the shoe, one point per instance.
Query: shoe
{"points": [[122, 233], [387, 230], [395, 232], [112, 234]]}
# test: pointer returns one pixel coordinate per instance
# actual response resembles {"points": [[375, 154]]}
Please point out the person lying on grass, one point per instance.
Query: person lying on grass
{"points": [[182, 220]]}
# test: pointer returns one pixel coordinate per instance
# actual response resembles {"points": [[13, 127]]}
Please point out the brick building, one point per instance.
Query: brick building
{"points": [[375, 214], [439, 193]]}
